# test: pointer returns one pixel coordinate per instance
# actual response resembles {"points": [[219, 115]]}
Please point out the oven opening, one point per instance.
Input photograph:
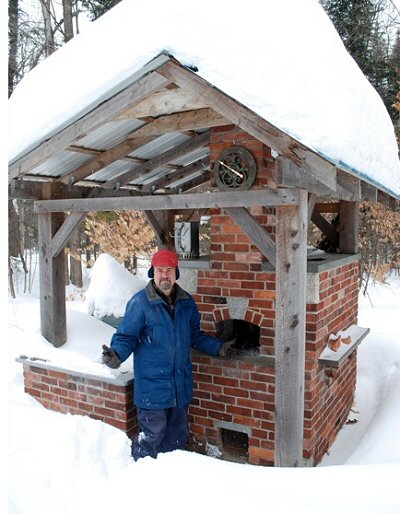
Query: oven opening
{"points": [[235, 445], [247, 335]]}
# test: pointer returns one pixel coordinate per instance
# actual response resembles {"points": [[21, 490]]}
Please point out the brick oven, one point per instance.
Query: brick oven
{"points": [[233, 412]]}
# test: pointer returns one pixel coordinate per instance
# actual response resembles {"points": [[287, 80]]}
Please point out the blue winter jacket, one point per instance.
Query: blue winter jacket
{"points": [[161, 345]]}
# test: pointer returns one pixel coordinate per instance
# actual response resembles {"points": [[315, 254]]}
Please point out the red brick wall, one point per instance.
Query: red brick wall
{"points": [[238, 393], [68, 393], [329, 393], [242, 393]]}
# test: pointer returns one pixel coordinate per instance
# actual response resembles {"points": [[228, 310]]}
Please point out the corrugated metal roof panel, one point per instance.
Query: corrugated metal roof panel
{"points": [[160, 145], [60, 164], [194, 156], [110, 134], [111, 171]]}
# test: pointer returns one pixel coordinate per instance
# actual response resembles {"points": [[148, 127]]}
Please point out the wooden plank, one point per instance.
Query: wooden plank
{"points": [[383, 198], [93, 152], [164, 182], [311, 206], [166, 101], [162, 222], [369, 192], [171, 202], [291, 258], [107, 157], [257, 234], [199, 184], [160, 160], [64, 233], [179, 122], [106, 111], [250, 122], [327, 207], [52, 272], [349, 184], [348, 227], [289, 174]]}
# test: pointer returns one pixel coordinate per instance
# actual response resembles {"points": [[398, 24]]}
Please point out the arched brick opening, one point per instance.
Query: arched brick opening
{"points": [[244, 329]]}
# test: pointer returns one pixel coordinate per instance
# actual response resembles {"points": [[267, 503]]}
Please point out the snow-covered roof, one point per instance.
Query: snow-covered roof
{"points": [[283, 60]]}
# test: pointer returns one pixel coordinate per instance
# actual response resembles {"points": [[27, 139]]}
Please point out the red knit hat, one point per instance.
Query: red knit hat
{"points": [[165, 258]]}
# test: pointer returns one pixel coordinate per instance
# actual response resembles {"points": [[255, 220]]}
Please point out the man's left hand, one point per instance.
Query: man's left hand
{"points": [[226, 350]]}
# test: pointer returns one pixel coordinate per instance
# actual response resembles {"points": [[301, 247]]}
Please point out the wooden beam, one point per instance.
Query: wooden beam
{"points": [[327, 228], [311, 206], [52, 281], [195, 184], [64, 233], [256, 233], [348, 227], [253, 124], [291, 258], [383, 198], [106, 111], [349, 184], [162, 223], [289, 174], [160, 160], [203, 164], [93, 152], [105, 158], [369, 192], [327, 207], [171, 202], [180, 122], [166, 101]]}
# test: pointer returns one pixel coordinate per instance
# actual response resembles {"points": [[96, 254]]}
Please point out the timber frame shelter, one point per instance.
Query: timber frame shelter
{"points": [[147, 147]]}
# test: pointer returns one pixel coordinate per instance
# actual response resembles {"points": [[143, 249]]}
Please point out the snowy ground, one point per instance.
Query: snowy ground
{"points": [[72, 464]]}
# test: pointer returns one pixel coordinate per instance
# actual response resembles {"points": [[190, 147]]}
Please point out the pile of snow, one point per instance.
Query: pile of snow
{"points": [[111, 287], [282, 59]]}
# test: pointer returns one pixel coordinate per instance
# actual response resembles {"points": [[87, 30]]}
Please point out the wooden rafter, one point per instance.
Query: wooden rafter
{"points": [[165, 158], [203, 118], [255, 231], [178, 174]]}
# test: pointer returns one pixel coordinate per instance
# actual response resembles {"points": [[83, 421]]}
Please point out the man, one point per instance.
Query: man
{"points": [[160, 325]]}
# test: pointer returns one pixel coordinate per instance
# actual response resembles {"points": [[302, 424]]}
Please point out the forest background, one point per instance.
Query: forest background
{"points": [[370, 31]]}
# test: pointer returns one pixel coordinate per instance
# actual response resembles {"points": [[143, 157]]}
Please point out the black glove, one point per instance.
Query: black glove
{"points": [[226, 351], [110, 358]]}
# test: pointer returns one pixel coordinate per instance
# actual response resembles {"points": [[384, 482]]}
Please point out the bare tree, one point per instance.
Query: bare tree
{"points": [[48, 26], [68, 23]]}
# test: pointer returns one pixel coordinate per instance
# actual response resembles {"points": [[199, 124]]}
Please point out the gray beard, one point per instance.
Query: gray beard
{"points": [[165, 285]]}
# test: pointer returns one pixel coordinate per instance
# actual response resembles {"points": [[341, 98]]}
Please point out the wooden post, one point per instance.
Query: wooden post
{"points": [[291, 256], [348, 230], [52, 281]]}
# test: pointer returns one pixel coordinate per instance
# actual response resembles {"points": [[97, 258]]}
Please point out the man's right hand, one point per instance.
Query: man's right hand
{"points": [[110, 358]]}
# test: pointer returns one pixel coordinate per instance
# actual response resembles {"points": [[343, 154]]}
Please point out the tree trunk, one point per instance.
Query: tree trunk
{"points": [[12, 43], [68, 25], [48, 28]]}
